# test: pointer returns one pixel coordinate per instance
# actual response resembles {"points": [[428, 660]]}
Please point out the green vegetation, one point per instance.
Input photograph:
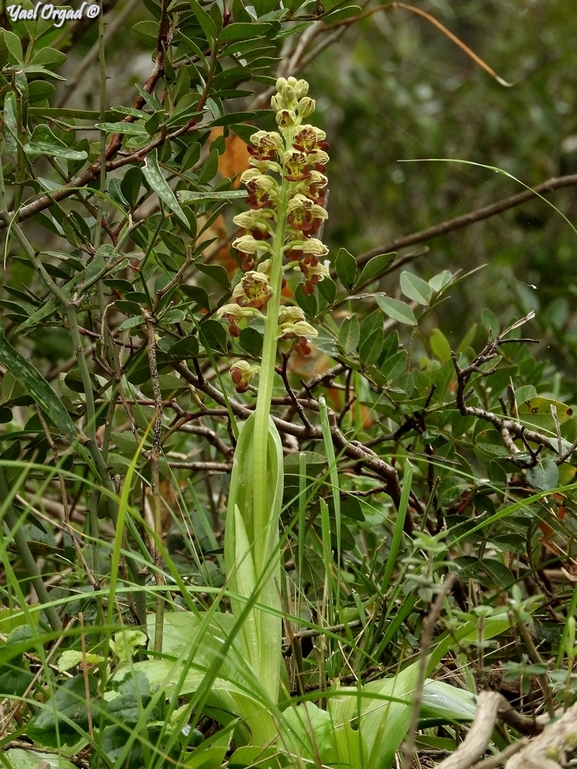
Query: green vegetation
{"points": [[279, 489]]}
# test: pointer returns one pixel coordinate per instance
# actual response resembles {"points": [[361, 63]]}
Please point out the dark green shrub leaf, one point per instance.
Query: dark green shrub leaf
{"points": [[349, 334], [213, 336], [251, 340], [158, 183], [242, 31], [185, 348], [215, 271], [308, 302], [545, 475], [376, 267], [371, 347], [43, 142], [346, 267], [327, 288], [35, 384]]}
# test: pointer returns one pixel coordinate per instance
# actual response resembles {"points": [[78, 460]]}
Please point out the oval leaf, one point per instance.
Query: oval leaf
{"points": [[416, 288], [397, 310]]}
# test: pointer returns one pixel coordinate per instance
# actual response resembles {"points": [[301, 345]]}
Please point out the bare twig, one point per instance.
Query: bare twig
{"points": [[351, 449], [155, 474], [479, 735], [466, 220], [551, 749]]}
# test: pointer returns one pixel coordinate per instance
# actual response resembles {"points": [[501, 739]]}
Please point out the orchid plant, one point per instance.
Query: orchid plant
{"points": [[287, 195], [286, 192]]}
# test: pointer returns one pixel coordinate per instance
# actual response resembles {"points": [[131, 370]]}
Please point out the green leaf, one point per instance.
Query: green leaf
{"points": [[213, 336], [35, 69], [207, 24], [49, 726], [242, 31], [209, 757], [375, 267], [308, 302], [545, 475], [13, 44], [446, 702], [327, 288], [185, 348], [43, 142], [349, 334], [35, 384], [147, 31], [342, 13], [49, 56], [158, 183], [370, 348], [130, 185], [440, 345], [121, 127], [31, 759], [190, 197], [416, 288], [294, 30], [537, 412], [346, 267], [251, 340], [440, 281], [397, 310], [210, 168], [215, 271]]}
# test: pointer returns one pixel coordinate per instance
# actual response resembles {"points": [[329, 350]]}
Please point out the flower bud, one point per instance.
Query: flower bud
{"points": [[290, 314], [306, 107]]}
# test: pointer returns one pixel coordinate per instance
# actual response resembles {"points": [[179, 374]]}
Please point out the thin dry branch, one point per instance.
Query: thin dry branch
{"points": [[552, 749], [479, 735], [510, 430], [466, 220], [351, 449]]}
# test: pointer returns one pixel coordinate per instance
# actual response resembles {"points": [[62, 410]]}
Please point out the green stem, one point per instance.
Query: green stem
{"points": [[267, 370]]}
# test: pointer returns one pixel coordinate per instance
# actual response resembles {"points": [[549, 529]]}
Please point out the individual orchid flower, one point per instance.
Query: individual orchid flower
{"points": [[241, 373], [253, 290], [234, 313]]}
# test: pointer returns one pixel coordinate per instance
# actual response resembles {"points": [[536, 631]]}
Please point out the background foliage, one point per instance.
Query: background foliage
{"points": [[122, 142]]}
